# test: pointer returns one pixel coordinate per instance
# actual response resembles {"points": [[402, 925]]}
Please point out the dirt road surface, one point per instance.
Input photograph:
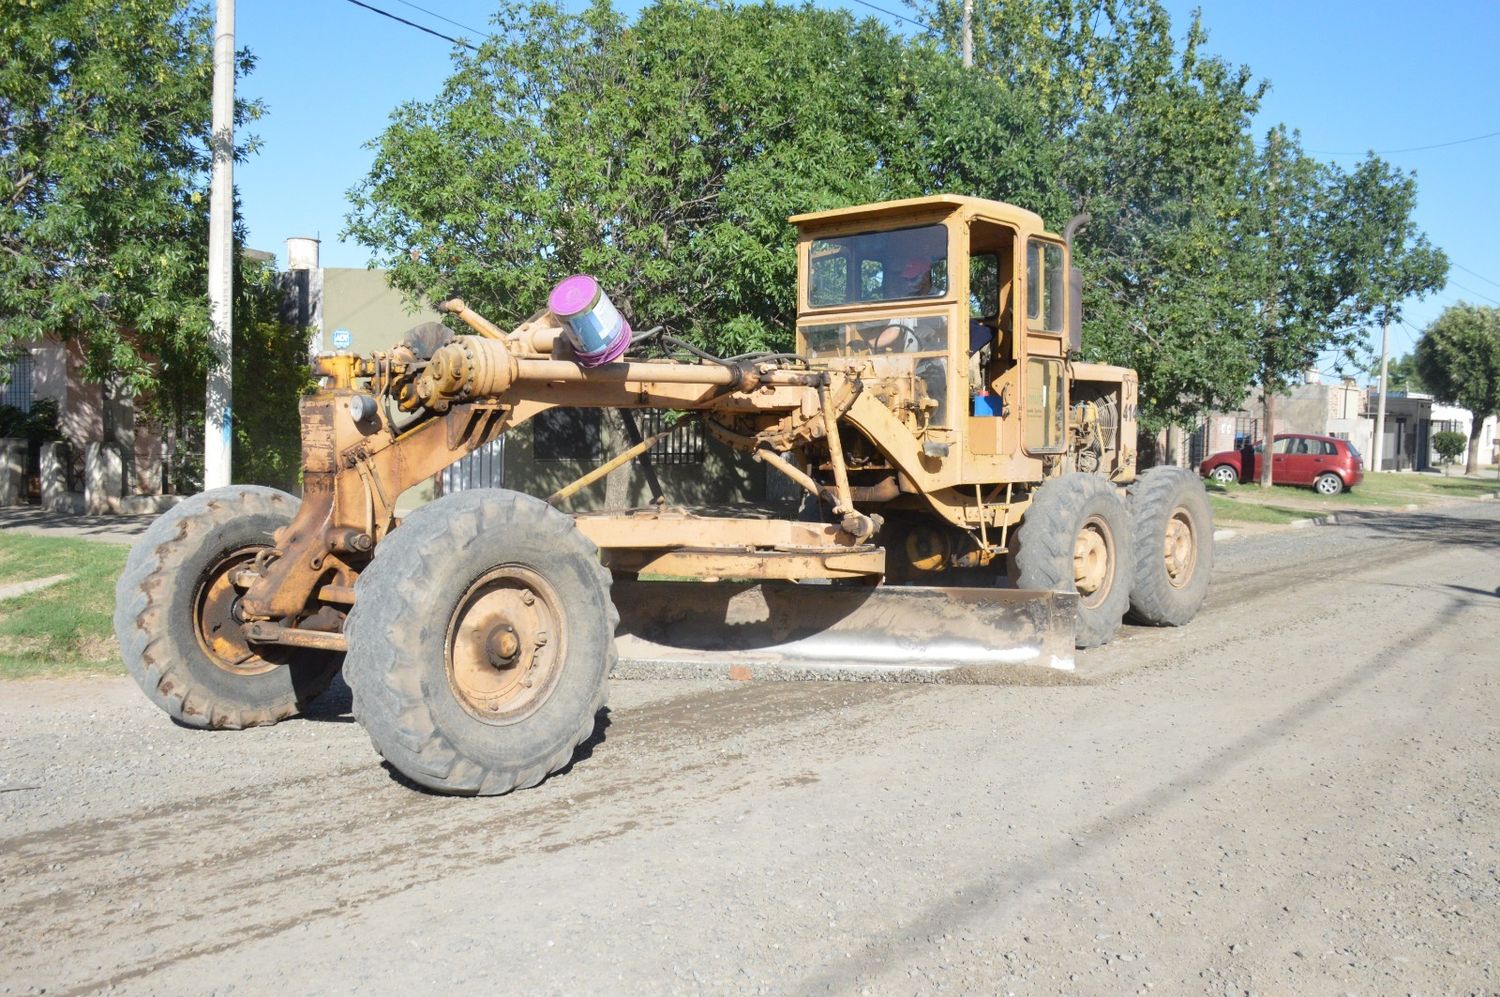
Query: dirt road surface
{"points": [[1300, 793]]}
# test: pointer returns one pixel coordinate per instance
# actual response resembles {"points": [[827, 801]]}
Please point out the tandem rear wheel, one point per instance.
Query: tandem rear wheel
{"points": [[1174, 546], [480, 643]]}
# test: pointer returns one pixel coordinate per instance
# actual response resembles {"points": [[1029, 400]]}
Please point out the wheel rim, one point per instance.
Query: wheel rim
{"points": [[1328, 485], [220, 632], [1180, 548], [1223, 475], [506, 644], [1094, 561]]}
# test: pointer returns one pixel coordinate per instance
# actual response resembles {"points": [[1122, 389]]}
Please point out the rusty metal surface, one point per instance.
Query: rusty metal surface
{"points": [[677, 527], [879, 633]]}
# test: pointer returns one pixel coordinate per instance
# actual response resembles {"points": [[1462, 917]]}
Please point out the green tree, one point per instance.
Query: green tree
{"points": [[1459, 360], [104, 158], [1152, 139], [1337, 251], [664, 157], [1401, 373], [1449, 446]]}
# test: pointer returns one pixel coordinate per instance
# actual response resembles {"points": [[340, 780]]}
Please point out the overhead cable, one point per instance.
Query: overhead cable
{"points": [[414, 24]]}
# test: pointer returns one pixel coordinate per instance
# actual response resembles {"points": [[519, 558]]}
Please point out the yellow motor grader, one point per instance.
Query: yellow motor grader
{"points": [[972, 506]]}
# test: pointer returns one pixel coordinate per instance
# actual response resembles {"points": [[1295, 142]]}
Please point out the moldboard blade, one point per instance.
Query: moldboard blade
{"points": [[885, 633]]}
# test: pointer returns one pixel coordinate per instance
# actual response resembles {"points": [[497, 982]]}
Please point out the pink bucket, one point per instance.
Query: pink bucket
{"points": [[598, 333]]}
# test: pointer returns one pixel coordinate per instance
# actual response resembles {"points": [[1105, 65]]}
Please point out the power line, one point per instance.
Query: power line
{"points": [[1413, 148], [1486, 297], [440, 17], [414, 24], [1475, 273], [900, 17]]}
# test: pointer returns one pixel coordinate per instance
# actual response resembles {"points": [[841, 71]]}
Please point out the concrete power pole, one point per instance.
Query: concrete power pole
{"points": [[219, 400], [1377, 445], [968, 41]]}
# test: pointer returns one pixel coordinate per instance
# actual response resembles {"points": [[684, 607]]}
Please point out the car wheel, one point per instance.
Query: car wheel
{"points": [[1224, 474], [1329, 483]]}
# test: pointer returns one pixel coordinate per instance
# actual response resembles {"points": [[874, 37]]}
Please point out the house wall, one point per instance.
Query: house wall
{"points": [[1463, 421], [363, 301]]}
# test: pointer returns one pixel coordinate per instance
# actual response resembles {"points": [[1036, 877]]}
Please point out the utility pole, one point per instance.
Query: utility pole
{"points": [[1377, 446], [219, 398], [1267, 381], [968, 42]]}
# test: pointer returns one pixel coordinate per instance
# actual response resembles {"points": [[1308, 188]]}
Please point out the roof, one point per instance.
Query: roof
{"points": [[917, 205]]}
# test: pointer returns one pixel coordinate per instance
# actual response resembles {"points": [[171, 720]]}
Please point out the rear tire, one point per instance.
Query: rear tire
{"points": [[1329, 483], [173, 606], [480, 643], [1174, 546], [1076, 538]]}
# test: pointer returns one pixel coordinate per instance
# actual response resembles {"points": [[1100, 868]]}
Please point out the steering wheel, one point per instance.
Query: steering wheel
{"points": [[904, 341]]}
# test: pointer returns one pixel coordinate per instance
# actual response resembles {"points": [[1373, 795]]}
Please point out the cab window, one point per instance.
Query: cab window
{"points": [[1044, 405], [1044, 286], [878, 266]]}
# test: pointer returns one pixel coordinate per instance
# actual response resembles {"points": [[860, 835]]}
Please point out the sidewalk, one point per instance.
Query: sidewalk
{"points": [[111, 529]]}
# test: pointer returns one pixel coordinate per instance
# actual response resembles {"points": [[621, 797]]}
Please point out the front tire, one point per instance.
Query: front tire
{"points": [[1224, 475], [1174, 546], [1076, 538], [480, 643], [174, 615]]}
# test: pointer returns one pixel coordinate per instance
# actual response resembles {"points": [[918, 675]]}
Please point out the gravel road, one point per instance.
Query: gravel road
{"points": [[1300, 793]]}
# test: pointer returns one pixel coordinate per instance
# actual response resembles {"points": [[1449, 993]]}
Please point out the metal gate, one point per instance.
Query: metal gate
{"points": [[484, 468]]}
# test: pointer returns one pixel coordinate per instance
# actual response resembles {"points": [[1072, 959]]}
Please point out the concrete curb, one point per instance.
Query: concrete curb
{"points": [[1225, 534]]}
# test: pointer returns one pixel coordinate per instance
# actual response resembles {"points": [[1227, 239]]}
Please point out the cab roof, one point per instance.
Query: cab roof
{"points": [[968, 207]]}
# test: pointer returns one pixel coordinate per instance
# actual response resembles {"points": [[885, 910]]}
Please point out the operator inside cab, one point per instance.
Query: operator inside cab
{"points": [[991, 318]]}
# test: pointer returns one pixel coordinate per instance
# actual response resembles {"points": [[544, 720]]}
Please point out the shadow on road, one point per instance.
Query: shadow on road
{"points": [[1428, 528]]}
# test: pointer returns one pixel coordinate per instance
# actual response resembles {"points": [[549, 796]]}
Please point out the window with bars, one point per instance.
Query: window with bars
{"points": [[17, 383], [686, 446]]}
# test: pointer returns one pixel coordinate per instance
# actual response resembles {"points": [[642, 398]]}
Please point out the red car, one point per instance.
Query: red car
{"points": [[1327, 463]]}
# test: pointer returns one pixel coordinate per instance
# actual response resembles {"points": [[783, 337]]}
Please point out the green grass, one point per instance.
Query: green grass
{"points": [[1229, 510], [1386, 490], [64, 629]]}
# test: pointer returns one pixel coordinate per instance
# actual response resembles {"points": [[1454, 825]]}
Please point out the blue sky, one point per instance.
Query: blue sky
{"points": [[1352, 76]]}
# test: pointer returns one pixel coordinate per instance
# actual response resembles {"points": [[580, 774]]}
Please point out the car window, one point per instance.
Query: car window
{"points": [[1285, 446], [1330, 448]]}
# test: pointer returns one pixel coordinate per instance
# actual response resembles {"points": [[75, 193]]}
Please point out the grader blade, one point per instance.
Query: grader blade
{"points": [[882, 633]]}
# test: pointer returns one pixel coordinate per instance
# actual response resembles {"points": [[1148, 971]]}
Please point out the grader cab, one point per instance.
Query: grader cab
{"points": [[971, 506]]}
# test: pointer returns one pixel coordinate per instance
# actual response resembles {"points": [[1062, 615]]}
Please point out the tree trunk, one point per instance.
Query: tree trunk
{"points": [[1476, 426], [1267, 435]]}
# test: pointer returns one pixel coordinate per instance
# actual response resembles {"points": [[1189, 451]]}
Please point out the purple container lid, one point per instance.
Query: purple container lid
{"points": [[573, 295]]}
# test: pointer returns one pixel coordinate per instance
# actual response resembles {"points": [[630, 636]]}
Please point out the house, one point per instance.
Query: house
{"points": [[1344, 410], [1315, 406]]}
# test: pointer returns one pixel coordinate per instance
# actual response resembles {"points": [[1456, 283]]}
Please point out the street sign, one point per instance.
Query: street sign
{"points": [[342, 339]]}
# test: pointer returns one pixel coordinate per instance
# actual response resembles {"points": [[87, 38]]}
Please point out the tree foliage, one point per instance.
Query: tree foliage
{"points": [[664, 157], [1458, 357], [1401, 374], [104, 157]]}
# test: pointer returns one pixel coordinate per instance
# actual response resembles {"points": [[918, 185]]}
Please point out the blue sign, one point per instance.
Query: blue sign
{"points": [[342, 339]]}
